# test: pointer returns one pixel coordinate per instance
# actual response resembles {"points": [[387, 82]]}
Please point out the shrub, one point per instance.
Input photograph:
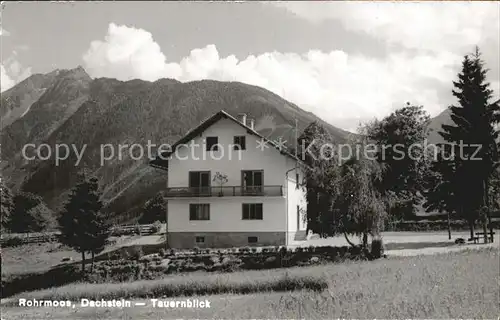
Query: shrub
{"points": [[13, 242], [377, 248], [314, 259], [156, 226], [35, 281], [432, 225], [162, 252], [356, 250], [136, 253], [254, 250], [283, 250], [215, 267]]}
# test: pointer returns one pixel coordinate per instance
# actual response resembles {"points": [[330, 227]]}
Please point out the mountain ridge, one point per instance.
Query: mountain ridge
{"points": [[76, 110], [68, 106]]}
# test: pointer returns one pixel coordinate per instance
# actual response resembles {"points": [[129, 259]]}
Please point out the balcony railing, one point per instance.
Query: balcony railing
{"points": [[225, 191]]}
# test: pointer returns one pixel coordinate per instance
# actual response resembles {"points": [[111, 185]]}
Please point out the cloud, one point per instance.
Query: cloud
{"points": [[127, 53], [435, 26], [12, 72], [340, 88], [6, 81], [4, 32]]}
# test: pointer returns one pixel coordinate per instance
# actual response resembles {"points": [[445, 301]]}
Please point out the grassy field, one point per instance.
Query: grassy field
{"points": [[43, 256], [453, 285]]}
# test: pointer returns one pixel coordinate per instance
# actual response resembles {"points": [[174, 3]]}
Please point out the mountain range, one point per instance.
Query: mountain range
{"points": [[69, 107]]}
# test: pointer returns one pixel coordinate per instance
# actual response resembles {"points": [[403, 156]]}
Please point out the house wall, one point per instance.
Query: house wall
{"points": [[226, 161], [226, 215], [296, 197], [226, 228], [186, 240]]}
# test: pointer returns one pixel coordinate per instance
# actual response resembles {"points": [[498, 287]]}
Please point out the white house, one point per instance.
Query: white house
{"points": [[261, 203]]}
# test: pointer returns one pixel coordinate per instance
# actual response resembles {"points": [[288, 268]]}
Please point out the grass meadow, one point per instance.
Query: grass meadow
{"points": [[461, 284]]}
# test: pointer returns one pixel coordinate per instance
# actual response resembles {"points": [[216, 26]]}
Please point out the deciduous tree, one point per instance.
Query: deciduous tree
{"points": [[400, 139], [155, 209], [360, 207]]}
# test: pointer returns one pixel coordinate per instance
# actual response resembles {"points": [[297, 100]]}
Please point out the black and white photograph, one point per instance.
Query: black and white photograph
{"points": [[250, 160]]}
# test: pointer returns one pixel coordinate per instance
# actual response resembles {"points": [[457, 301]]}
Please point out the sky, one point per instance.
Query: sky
{"points": [[347, 62]]}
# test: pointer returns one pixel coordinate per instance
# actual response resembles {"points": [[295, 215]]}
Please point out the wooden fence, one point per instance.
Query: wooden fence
{"points": [[142, 229], [13, 239]]}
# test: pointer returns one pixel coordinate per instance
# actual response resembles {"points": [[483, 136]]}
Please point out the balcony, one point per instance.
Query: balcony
{"points": [[225, 191]]}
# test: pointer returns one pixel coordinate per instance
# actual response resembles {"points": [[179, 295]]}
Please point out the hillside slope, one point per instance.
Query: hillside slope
{"points": [[435, 126], [16, 101]]}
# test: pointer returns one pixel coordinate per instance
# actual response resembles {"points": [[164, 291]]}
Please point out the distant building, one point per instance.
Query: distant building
{"points": [[260, 202]]}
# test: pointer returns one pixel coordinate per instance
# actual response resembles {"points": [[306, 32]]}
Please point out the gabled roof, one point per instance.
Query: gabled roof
{"points": [[162, 164]]}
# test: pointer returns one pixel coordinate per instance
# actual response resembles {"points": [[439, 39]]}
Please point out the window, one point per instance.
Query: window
{"points": [[199, 182], [252, 239], [199, 179], [239, 143], [297, 180], [199, 211], [252, 211], [200, 240], [252, 181], [212, 143]]}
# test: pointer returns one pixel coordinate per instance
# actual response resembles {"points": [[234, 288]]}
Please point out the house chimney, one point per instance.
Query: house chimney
{"points": [[252, 123], [243, 118]]}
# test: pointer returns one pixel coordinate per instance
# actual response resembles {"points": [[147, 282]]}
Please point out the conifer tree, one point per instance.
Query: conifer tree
{"points": [[82, 223], [472, 140]]}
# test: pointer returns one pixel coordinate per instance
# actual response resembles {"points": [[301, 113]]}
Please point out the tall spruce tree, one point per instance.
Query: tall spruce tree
{"points": [[473, 139], [82, 223]]}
